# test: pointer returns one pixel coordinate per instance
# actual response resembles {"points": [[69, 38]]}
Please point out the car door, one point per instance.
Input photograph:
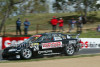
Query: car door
{"points": [[51, 42], [46, 42], [58, 39]]}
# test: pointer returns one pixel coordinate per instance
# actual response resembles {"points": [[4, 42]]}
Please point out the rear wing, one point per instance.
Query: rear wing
{"points": [[70, 36]]}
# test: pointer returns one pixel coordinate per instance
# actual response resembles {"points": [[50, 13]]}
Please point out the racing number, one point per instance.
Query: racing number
{"points": [[35, 46]]}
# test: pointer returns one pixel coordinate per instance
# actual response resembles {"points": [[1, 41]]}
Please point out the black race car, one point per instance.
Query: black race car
{"points": [[43, 44]]}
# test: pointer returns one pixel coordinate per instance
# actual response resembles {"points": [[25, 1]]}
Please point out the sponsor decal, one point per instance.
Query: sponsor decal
{"points": [[72, 41], [57, 38], [18, 56], [84, 44], [8, 41], [44, 52], [35, 46], [68, 37], [51, 45], [37, 35], [52, 54]]}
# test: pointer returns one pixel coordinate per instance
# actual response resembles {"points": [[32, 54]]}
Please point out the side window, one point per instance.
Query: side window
{"points": [[47, 38], [64, 37], [60, 37], [57, 37]]}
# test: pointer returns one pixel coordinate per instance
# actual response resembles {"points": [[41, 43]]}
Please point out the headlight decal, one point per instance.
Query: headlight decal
{"points": [[12, 50]]}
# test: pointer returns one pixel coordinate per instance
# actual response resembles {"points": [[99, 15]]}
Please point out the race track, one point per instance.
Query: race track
{"points": [[81, 52], [89, 51], [0, 54]]}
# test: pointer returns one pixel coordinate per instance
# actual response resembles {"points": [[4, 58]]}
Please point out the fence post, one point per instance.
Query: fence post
{"points": [[4, 31], [37, 28]]}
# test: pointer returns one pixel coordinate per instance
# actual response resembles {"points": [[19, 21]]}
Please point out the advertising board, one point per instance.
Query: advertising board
{"points": [[7, 41], [85, 42], [0, 43], [90, 42]]}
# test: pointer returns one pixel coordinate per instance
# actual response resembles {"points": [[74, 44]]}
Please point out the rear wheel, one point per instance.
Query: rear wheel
{"points": [[26, 53], [69, 50]]}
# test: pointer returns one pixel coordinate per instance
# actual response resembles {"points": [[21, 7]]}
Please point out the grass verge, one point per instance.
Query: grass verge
{"points": [[44, 20]]}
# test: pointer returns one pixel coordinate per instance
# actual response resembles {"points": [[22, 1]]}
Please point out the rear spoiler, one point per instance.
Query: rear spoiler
{"points": [[70, 35]]}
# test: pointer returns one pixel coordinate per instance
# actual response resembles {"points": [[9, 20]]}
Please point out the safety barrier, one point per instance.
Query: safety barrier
{"points": [[0, 43], [90, 43], [7, 41], [85, 42]]}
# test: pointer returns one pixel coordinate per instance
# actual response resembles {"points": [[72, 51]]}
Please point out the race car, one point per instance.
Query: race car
{"points": [[44, 44]]}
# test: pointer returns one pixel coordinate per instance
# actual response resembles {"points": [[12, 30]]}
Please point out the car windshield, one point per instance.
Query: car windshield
{"points": [[32, 38]]}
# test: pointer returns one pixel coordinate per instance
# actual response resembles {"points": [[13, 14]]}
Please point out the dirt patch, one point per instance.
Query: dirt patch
{"points": [[74, 62]]}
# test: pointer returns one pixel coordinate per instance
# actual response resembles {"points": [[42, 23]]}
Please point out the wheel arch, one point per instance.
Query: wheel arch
{"points": [[22, 57], [73, 44]]}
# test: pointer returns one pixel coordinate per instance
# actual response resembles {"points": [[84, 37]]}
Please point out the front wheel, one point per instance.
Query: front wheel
{"points": [[69, 50], [26, 53]]}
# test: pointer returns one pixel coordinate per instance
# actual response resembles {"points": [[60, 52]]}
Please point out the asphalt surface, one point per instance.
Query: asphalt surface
{"points": [[81, 52], [1, 54], [89, 51]]}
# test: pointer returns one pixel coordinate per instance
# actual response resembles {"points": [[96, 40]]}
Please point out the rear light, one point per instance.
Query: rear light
{"points": [[80, 41]]}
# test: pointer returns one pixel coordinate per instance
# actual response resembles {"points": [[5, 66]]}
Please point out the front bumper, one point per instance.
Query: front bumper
{"points": [[11, 55]]}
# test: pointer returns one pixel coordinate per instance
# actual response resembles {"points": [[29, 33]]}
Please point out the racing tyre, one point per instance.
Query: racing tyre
{"points": [[69, 50], [26, 53]]}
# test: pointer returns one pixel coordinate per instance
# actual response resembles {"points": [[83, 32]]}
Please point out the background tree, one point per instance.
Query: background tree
{"points": [[39, 6], [59, 5], [97, 6], [6, 8], [34, 6], [86, 3]]}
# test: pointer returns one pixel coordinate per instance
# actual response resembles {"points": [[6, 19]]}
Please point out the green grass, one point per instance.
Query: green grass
{"points": [[44, 22], [42, 19], [51, 58], [88, 34]]}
